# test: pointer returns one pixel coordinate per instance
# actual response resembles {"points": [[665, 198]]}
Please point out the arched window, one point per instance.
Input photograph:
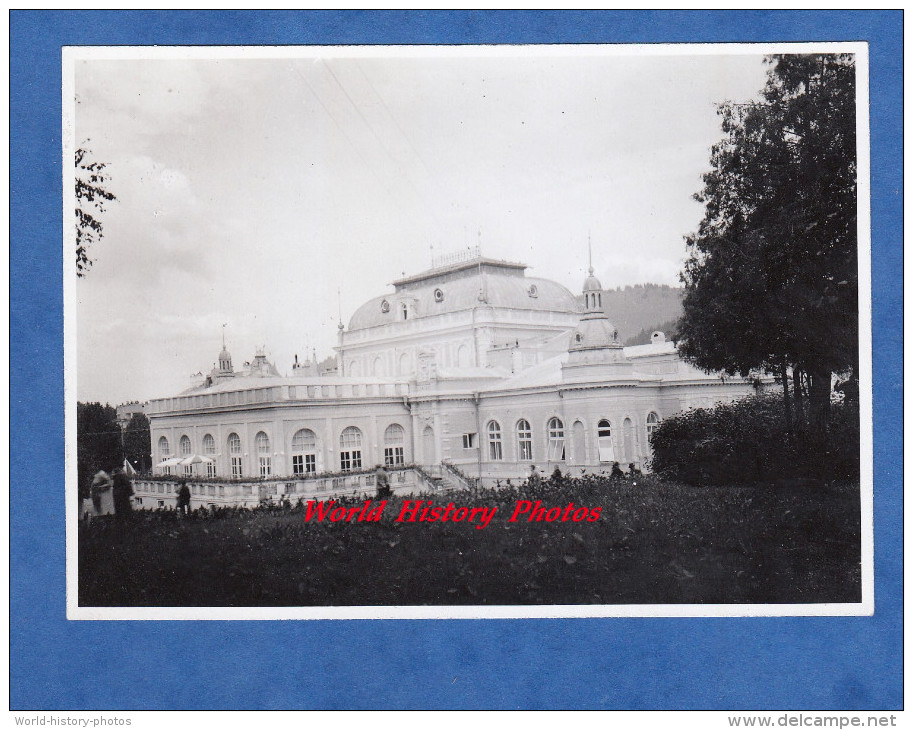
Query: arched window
{"points": [[555, 440], [304, 452], [394, 442], [578, 449], [428, 446], [463, 357], [404, 308], [652, 425], [234, 450], [264, 459], [404, 366], [209, 450], [628, 431], [524, 440], [165, 453], [186, 450], [495, 449], [350, 449], [606, 447]]}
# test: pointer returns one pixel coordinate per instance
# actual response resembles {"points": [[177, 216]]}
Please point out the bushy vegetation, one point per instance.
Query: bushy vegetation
{"points": [[750, 441], [655, 542]]}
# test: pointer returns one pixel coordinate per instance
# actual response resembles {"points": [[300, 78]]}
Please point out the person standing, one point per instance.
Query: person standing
{"points": [[382, 482], [123, 490], [183, 499], [102, 493]]}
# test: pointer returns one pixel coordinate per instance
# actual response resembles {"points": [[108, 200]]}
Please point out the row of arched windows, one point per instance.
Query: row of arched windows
{"points": [[555, 450], [304, 451]]}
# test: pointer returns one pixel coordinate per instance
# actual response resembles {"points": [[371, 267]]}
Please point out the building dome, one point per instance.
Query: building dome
{"points": [[592, 283], [594, 333], [463, 294], [225, 361]]}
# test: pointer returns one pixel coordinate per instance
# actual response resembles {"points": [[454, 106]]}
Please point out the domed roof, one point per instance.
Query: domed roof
{"points": [[592, 283], [594, 332], [499, 292]]}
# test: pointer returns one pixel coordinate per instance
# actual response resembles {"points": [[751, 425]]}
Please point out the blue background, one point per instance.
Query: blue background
{"points": [[779, 663]]}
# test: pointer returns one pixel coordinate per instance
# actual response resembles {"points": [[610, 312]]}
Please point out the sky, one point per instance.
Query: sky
{"points": [[272, 195]]}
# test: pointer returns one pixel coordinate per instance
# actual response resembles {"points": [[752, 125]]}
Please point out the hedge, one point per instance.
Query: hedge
{"points": [[748, 442]]}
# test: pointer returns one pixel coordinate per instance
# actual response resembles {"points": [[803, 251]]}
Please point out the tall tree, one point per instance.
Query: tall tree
{"points": [[98, 440], [771, 277], [138, 442], [91, 196]]}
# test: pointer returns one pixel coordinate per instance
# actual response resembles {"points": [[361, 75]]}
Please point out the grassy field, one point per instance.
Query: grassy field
{"points": [[654, 542]]}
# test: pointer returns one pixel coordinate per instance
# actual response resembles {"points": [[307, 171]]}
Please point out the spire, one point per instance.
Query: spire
{"points": [[589, 243], [340, 326], [592, 288]]}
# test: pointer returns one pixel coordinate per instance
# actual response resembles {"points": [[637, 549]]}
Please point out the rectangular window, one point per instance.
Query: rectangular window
{"points": [[469, 440], [266, 466], [235, 467], [349, 460], [211, 469], [393, 456], [556, 449], [495, 452], [188, 470], [304, 464], [526, 451]]}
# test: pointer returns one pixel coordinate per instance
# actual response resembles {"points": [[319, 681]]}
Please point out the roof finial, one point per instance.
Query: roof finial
{"points": [[589, 243], [339, 301]]}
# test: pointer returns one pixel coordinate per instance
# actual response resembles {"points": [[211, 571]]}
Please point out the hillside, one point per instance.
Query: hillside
{"points": [[641, 309]]}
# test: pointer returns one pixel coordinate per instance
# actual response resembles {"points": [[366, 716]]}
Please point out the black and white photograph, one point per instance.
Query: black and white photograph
{"points": [[462, 332]]}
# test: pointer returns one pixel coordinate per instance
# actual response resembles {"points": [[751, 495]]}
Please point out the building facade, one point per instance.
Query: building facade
{"points": [[472, 365]]}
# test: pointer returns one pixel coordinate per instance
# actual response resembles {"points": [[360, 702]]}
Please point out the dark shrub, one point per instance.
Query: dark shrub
{"points": [[747, 442]]}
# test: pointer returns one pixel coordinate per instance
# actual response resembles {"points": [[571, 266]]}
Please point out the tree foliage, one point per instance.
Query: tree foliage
{"points": [[746, 442], [91, 196], [98, 440], [138, 442], [771, 277]]}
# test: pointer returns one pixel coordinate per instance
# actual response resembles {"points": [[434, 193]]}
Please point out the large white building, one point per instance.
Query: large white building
{"points": [[470, 368]]}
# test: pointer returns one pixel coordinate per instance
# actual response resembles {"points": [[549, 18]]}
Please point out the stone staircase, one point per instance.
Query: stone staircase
{"points": [[454, 478]]}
